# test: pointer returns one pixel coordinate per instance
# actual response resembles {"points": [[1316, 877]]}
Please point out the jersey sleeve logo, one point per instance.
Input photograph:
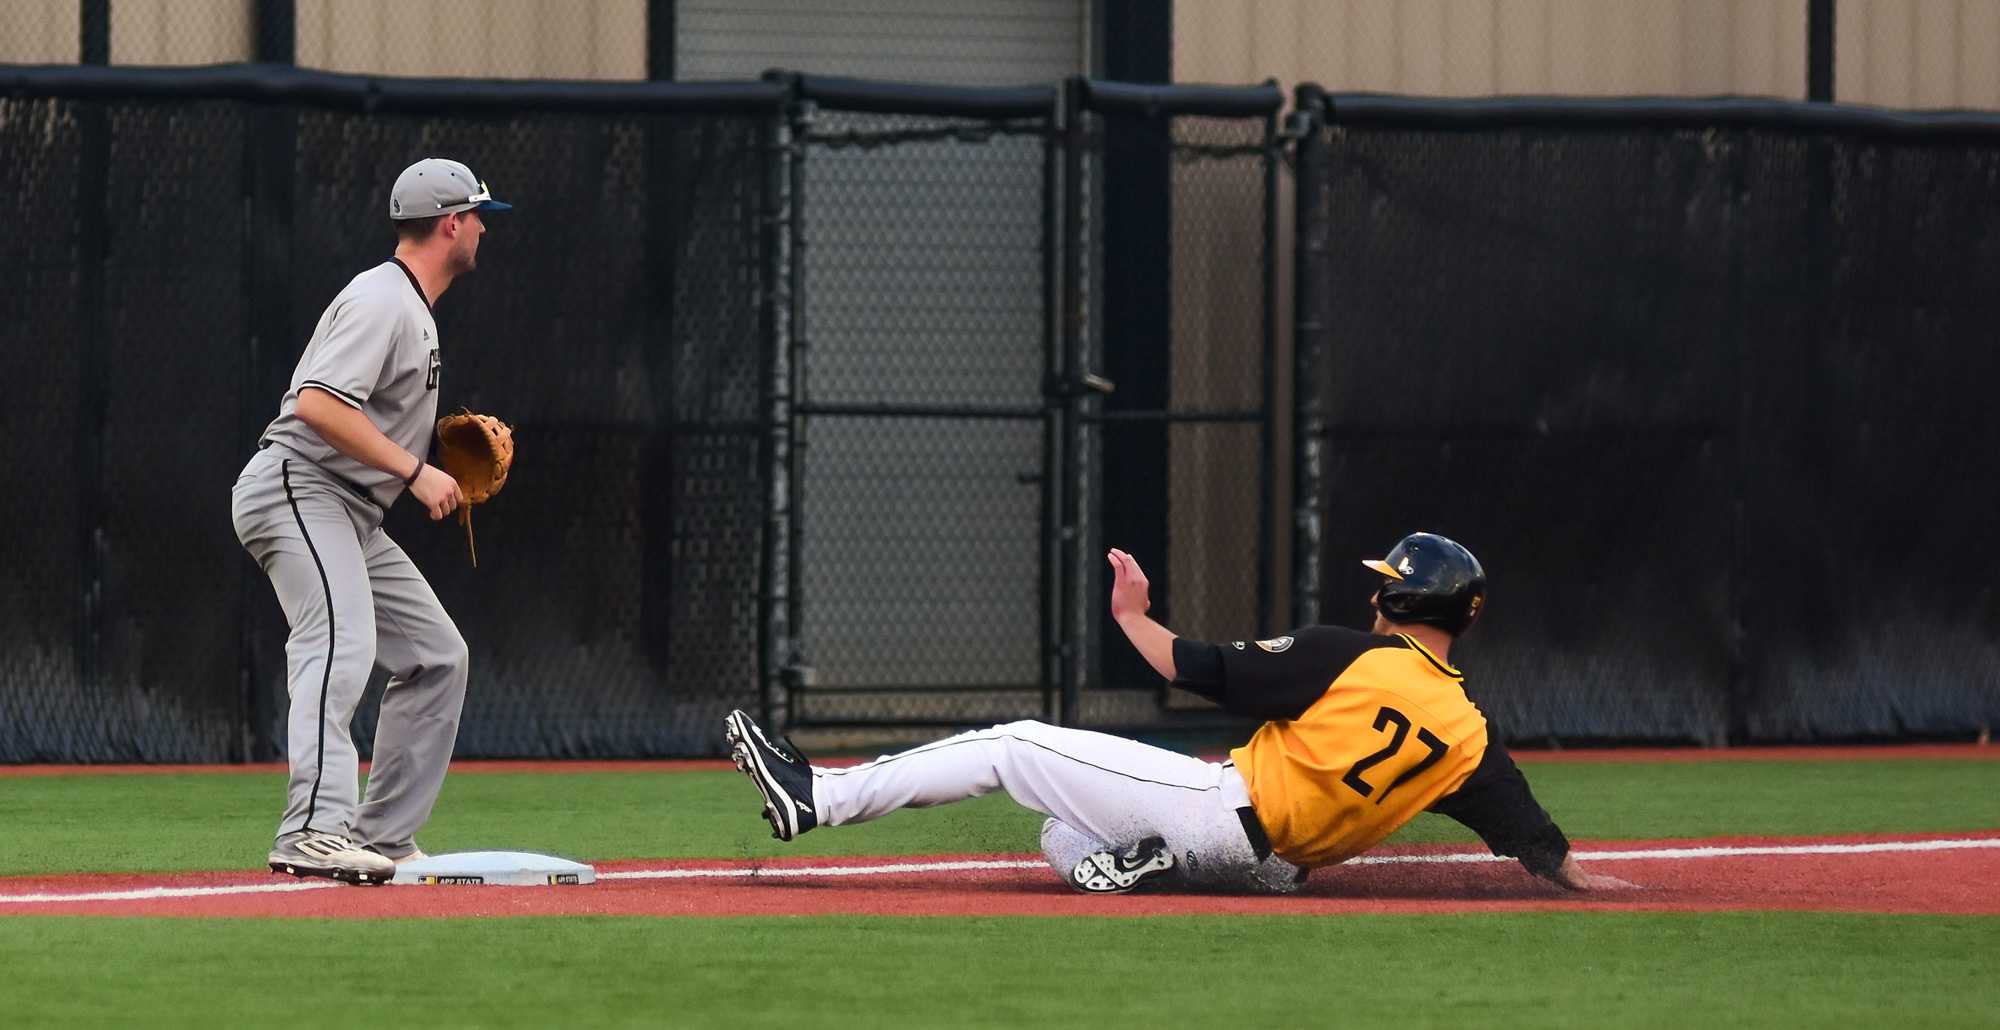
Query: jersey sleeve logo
{"points": [[1276, 644]]}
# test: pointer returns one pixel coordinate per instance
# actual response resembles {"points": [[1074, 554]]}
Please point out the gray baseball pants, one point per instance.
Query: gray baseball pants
{"points": [[354, 601]]}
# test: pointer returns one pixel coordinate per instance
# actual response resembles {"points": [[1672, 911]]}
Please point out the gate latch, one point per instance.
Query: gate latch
{"points": [[1078, 386]]}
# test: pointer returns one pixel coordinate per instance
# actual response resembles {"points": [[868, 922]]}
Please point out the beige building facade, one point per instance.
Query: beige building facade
{"points": [[1894, 53]]}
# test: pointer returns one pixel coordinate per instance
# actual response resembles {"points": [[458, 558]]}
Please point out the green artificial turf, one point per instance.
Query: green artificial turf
{"points": [[1542, 969], [225, 821], [147, 823]]}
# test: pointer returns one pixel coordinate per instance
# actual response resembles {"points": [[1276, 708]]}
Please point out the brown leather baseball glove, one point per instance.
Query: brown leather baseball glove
{"points": [[477, 450]]}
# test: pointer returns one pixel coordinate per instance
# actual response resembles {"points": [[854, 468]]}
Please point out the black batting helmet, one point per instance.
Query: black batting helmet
{"points": [[1432, 580]]}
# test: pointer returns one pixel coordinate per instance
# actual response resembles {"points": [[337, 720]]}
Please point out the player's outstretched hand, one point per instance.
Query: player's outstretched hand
{"points": [[1128, 586], [437, 491], [1573, 876], [1604, 882]]}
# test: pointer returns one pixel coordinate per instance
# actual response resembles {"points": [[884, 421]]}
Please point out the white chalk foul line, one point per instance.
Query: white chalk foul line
{"points": [[155, 893], [895, 868], [889, 869]]}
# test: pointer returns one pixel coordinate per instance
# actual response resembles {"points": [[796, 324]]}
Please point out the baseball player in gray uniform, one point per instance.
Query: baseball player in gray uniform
{"points": [[351, 436]]}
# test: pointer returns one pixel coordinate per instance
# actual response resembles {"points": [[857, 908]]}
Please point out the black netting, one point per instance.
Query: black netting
{"points": [[1696, 396], [122, 607], [166, 625], [615, 322], [619, 319], [44, 708], [1867, 596]]}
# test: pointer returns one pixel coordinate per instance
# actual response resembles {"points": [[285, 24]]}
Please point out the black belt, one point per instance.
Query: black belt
{"points": [[1253, 828]]}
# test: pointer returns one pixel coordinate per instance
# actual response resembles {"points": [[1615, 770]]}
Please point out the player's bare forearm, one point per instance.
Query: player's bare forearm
{"points": [[1130, 599], [348, 431], [1154, 642]]}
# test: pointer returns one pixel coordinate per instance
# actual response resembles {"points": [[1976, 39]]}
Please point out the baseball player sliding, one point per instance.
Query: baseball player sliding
{"points": [[1365, 731], [350, 437]]}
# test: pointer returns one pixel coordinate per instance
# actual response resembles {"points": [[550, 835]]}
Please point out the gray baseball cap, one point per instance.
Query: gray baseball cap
{"points": [[436, 186]]}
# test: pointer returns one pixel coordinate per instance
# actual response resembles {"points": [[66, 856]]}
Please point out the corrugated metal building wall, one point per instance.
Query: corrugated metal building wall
{"points": [[956, 42]]}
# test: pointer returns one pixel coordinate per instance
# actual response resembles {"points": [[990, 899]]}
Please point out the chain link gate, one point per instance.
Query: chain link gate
{"points": [[1025, 324], [920, 432]]}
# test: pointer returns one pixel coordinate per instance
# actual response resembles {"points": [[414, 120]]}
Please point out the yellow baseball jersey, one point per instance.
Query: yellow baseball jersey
{"points": [[1364, 732], [1389, 737]]}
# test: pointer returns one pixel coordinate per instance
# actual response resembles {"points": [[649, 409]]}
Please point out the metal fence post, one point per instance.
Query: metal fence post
{"points": [[775, 449], [93, 19], [1267, 441], [1074, 329], [93, 246], [1311, 315], [1738, 643], [277, 39], [1819, 50], [661, 38], [1055, 296], [797, 673]]}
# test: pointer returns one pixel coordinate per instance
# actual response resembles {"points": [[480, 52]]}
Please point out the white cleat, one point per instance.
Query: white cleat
{"points": [[311, 853], [415, 854]]}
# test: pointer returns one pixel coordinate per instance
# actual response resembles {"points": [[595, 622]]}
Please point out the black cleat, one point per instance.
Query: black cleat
{"points": [[781, 774], [1118, 872]]}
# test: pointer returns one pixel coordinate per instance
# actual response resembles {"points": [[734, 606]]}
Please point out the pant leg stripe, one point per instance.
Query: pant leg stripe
{"points": [[326, 674]]}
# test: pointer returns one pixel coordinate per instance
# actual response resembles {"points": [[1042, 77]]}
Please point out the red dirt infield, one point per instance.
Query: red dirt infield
{"points": [[1854, 753], [1955, 878]]}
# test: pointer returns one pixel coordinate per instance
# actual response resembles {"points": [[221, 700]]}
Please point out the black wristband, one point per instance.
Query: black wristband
{"points": [[411, 479]]}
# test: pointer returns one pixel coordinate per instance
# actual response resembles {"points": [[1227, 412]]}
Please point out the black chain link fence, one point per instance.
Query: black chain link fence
{"points": [[174, 237], [830, 394], [795, 400], [125, 256], [42, 314], [1703, 384]]}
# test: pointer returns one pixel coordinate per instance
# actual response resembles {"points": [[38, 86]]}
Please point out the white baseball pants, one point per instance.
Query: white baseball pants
{"points": [[1099, 791]]}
